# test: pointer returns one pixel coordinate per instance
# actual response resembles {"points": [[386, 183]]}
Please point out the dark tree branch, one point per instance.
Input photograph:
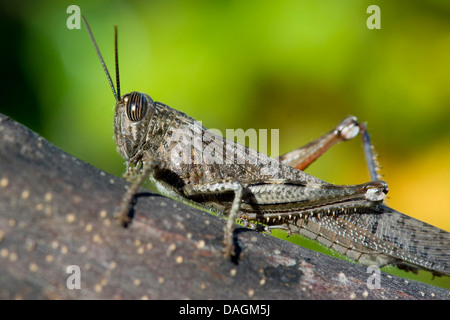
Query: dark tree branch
{"points": [[57, 211]]}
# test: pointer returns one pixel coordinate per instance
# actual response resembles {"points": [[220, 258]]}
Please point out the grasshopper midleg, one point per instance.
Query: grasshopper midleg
{"points": [[347, 129]]}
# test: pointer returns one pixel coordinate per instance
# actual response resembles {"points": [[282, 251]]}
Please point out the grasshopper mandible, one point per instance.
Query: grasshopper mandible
{"points": [[252, 187]]}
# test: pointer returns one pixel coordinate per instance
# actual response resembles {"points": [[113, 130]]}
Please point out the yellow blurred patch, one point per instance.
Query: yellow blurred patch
{"points": [[420, 186]]}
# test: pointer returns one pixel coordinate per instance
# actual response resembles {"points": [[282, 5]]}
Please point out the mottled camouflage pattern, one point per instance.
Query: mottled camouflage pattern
{"points": [[275, 194]]}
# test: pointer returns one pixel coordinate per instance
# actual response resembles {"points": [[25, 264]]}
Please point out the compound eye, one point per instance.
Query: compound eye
{"points": [[136, 106]]}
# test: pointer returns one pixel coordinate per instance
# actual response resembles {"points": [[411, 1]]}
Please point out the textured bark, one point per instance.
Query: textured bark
{"points": [[57, 211]]}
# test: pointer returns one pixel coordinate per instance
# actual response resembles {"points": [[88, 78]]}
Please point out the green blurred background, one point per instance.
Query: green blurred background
{"points": [[296, 66]]}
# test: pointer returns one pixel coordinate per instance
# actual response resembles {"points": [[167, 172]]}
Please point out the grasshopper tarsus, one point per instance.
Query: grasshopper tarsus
{"points": [[123, 216]]}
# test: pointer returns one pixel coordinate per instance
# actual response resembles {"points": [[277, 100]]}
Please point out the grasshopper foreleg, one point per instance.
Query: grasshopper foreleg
{"points": [[140, 173]]}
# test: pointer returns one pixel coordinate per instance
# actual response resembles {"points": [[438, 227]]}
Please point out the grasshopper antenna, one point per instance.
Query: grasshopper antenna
{"points": [[117, 63], [116, 95]]}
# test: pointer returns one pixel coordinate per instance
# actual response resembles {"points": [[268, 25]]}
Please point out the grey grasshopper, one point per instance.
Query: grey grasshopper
{"points": [[191, 164]]}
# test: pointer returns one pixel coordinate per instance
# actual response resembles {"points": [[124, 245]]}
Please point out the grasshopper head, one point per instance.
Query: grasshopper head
{"points": [[133, 111], [131, 122]]}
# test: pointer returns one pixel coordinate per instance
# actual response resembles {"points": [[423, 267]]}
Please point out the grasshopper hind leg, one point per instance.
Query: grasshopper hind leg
{"points": [[347, 129], [123, 215]]}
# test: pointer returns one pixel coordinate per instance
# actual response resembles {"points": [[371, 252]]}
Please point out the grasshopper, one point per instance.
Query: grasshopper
{"points": [[262, 192]]}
